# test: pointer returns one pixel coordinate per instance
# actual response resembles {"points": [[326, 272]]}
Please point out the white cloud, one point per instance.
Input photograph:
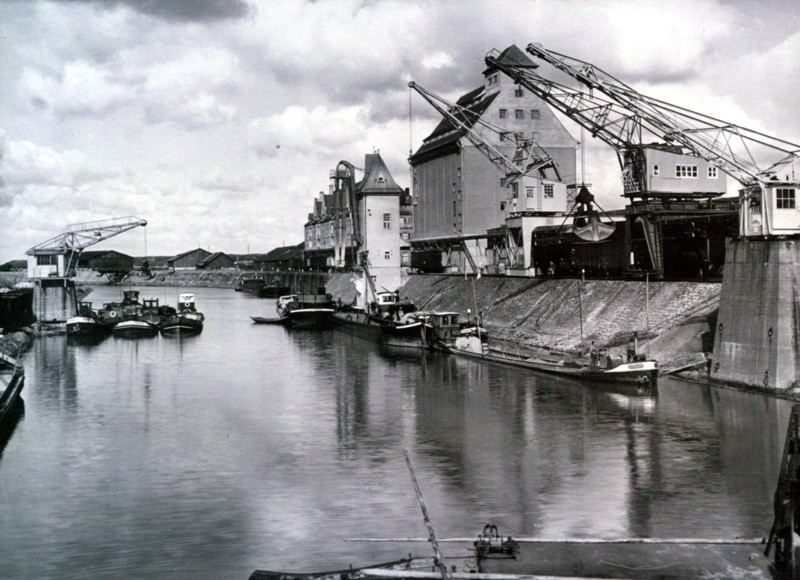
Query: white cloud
{"points": [[228, 126]]}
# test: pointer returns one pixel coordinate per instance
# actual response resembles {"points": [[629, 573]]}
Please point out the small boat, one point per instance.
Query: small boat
{"points": [[262, 320], [86, 323], [251, 284], [186, 319], [272, 290], [12, 379], [310, 311], [473, 342], [385, 322]]}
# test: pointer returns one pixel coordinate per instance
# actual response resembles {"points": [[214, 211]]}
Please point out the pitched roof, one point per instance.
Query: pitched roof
{"points": [[474, 104], [377, 178], [211, 257], [283, 253], [179, 256], [513, 56]]}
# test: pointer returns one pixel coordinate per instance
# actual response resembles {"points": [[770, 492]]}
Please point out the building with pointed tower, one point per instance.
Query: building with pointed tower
{"points": [[461, 201], [379, 199], [369, 220]]}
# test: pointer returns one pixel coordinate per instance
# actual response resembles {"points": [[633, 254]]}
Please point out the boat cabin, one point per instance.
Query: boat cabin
{"points": [[444, 325]]}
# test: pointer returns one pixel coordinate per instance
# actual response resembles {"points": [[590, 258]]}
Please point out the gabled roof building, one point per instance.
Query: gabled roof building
{"points": [[459, 195]]}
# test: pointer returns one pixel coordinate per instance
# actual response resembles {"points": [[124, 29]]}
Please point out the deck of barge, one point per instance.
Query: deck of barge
{"points": [[650, 561]]}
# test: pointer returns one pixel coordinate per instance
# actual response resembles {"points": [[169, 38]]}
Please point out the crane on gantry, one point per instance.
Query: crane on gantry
{"points": [[58, 256], [625, 118]]}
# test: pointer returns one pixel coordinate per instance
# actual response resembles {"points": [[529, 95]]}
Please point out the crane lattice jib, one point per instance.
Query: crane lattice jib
{"points": [[736, 150], [528, 156], [76, 237]]}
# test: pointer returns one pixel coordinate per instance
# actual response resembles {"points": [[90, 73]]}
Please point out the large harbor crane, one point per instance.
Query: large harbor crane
{"points": [[625, 118]]}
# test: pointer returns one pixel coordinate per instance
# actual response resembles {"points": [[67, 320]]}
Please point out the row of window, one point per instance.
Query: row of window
{"points": [[689, 171], [520, 114]]}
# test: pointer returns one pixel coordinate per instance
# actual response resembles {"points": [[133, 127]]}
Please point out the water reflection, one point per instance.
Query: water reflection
{"points": [[252, 446]]}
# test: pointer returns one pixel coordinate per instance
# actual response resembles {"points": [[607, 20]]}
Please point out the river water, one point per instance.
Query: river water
{"points": [[251, 446]]}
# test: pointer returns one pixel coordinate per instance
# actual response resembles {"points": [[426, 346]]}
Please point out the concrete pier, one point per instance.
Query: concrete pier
{"points": [[758, 327], [54, 299]]}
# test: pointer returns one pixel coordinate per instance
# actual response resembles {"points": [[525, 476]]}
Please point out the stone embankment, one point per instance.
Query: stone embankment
{"points": [[672, 319]]}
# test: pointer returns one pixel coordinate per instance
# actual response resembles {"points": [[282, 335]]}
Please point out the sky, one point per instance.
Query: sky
{"points": [[218, 121]]}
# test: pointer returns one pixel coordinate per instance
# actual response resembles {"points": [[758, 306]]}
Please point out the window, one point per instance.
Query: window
{"points": [[519, 114], [515, 190], [534, 113], [387, 221], [404, 236], [548, 190], [518, 92], [686, 171], [454, 207], [503, 113], [784, 198], [713, 172], [530, 191], [387, 255], [656, 170], [47, 260], [502, 206]]}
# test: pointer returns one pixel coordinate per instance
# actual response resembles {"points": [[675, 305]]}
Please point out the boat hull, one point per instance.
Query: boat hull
{"points": [[642, 374], [183, 324], [84, 326], [363, 325], [310, 318], [134, 328]]}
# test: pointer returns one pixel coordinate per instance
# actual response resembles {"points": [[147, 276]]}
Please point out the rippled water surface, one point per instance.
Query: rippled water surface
{"points": [[250, 446]]}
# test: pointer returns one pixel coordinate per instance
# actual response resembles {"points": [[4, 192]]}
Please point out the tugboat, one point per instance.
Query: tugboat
{"points": [[130, 317], [86, 323], [186, 320]]}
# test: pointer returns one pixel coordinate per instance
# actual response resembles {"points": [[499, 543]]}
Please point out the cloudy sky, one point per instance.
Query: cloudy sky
{"points": [[218, 121]]}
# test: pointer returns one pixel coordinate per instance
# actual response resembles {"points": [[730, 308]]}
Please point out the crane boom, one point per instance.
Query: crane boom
{"points": [[529, 158], [727, 145], [75, 238], [624, 118]]}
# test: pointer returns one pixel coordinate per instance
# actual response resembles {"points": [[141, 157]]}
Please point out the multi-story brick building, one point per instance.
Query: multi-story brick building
{"points": [[459, 194]]}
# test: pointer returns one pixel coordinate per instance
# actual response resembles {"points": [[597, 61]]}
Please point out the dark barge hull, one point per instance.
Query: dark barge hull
{"points": [[311, 318], [363, 325], [12, 380], [643, 375]]}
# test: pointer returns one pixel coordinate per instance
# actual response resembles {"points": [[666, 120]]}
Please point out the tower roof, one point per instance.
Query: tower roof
{"points": [[377, 179]]}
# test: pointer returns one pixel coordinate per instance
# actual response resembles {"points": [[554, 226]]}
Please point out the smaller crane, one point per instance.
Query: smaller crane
{"points": [[58, 256]]}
